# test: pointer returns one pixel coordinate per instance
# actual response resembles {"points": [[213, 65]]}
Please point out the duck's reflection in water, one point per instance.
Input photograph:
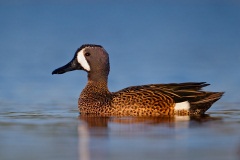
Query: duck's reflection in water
{"points": [[93, 121], [83, 142], [94, 131]]}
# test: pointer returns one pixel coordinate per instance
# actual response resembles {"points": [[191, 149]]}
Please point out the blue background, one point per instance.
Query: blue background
{"points": [[148, 42]]}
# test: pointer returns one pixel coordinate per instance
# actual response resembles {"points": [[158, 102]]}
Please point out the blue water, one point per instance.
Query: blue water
{"points": [[148, 42]]}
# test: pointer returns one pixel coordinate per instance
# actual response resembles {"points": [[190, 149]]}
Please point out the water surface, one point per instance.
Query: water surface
{"points": [[63, 134]]}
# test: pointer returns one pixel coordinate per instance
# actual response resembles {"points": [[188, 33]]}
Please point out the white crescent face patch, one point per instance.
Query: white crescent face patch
{"points": [[82, 60]]}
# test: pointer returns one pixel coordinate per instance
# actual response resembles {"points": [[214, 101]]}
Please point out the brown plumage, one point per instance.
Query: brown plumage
{"points": [[145, 100]]}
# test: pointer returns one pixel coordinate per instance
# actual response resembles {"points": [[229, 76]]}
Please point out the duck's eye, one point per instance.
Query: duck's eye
{"points": [[87, 54]]}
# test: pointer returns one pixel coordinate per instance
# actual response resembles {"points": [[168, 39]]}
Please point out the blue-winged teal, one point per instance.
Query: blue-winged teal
{"points": [[145, 100]]}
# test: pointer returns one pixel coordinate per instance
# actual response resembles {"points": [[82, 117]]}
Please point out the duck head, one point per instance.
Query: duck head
{"points": [[91, 58]]}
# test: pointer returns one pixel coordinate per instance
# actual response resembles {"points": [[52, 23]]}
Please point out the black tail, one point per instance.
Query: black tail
{"points": [[200, 101], [204, 102]]}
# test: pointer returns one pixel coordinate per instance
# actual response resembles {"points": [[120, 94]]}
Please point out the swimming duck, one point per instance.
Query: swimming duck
{"points": [[146, 100]]}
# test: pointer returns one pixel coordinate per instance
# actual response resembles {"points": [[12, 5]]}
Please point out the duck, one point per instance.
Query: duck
{"points": [[150, 100]]}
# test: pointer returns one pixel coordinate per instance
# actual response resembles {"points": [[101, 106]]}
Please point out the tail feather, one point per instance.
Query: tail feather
{"points": [[202, 104], [200, 101]]}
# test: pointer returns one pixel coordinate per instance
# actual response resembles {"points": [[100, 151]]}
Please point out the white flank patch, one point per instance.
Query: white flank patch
{"points": [[182, 106], [82, 60]]}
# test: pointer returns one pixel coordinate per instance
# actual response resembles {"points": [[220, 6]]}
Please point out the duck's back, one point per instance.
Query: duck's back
{"points": [[164, 99]]}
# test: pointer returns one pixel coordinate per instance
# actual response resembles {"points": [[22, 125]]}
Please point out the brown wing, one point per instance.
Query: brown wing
{"points": [[143, 96], [166, 95], [173, 92], [142, 101]]}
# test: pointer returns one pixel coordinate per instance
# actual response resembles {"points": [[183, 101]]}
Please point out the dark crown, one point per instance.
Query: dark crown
{"points": [[88, 45]]}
